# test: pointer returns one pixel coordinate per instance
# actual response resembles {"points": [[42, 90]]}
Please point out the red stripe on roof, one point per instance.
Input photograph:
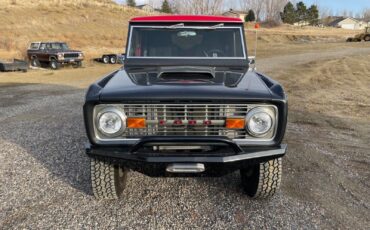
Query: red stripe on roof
{"points": [[187, 18]]}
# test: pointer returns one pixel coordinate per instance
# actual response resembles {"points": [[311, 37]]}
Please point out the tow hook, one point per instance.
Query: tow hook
{"points": [[186, 168]]}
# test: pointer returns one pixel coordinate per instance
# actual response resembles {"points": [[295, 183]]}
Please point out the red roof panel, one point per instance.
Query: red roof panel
{"points": [[187, 18]]}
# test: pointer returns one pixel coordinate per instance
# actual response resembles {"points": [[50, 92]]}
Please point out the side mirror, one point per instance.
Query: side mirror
{"points": [[252, 63]]}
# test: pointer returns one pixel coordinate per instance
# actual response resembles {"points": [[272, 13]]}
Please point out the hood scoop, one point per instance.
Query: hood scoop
{"points": [[187, 75]]}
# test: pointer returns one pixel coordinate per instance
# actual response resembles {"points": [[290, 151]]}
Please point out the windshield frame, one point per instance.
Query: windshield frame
{"points": [[242, 39]]}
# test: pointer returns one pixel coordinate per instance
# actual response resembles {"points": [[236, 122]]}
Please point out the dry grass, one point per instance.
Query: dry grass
{"points": [[90, 25], [337, 87], [291, 39], [287, 34]]}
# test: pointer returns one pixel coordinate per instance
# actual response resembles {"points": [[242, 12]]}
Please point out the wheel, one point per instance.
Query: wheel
{"points": [[105, 59], [367, 38], [349, 39], [107, 179], [54, 64], [113, 59], [262, 180], [35, 62], [78, 64]]}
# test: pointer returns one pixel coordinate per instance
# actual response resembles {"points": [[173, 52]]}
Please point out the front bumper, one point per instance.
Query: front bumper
{"points": [[154, 163], [70, 60]]}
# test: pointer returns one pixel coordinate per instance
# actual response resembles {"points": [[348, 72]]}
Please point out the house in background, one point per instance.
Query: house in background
{"points": [[347, 23], [236, 14], [146, 7], [302, 23]]}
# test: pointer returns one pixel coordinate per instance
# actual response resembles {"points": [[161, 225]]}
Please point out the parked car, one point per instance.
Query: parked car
{"points": [[113, 58], [15, 65], [54, 54], [186, 103]]}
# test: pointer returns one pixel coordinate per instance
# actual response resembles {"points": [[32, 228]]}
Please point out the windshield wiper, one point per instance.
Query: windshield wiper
{"points": [[210, 27], [216, 26], [180, 25]]}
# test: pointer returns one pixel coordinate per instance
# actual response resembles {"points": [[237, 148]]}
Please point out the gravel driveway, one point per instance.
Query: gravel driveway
{"points": [[44, 177]]}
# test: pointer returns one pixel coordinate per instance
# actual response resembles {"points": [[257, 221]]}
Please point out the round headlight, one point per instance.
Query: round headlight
{"points": [[259, 122], [111, 122]]}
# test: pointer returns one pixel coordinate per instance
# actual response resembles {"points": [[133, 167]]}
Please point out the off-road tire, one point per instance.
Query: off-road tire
{"points": [[105, 59], [108, 180], [35, 62], [367, 38], [262, 180], [113, 59], [349, 39], [54, 64], [78, 64]]}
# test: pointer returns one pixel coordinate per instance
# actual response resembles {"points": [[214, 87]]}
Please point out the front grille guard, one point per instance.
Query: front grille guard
{"points": [[169, 141]]}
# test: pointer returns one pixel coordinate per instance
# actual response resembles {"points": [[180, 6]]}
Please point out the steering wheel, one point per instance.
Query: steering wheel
{"points": [[210, 53]]}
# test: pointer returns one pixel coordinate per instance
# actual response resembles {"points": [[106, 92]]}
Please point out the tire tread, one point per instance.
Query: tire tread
{"points": [[268, 179], [104, 179]]}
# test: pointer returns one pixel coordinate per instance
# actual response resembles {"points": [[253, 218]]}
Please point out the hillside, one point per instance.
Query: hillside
{"points": [[93, 26], [98, 26]]}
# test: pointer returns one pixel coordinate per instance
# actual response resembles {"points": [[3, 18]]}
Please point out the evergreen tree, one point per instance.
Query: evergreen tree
{"points": [[289, 14], [166, 7], [250, 17], [313, 15], [131, 3], [301, 11]]}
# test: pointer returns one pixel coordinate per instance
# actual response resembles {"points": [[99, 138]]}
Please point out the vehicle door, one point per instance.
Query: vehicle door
{"points": [[43, 56]]}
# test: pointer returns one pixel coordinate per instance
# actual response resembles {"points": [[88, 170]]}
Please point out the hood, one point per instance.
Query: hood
{"points": [[184, 83]]}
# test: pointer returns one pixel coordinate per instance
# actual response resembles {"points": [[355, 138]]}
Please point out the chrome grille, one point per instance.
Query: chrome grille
{"points": [[71, 55], [186, 120]]}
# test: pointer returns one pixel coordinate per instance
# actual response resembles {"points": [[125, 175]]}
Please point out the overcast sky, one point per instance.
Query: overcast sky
{"points": [[337, 6]]}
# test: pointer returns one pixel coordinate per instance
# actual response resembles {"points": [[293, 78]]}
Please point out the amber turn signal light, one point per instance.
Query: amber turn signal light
{"points": [[235, 123], [136, 123]]}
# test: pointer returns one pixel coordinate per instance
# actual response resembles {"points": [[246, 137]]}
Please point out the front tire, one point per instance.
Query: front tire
{"points": [[54, 64], [108, 180], [35, 62], [367, 38], [262, 180]]}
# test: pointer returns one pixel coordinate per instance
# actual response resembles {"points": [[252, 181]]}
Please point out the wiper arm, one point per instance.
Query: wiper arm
{"points": [[180, 25], [216, 26], [210, 27]]}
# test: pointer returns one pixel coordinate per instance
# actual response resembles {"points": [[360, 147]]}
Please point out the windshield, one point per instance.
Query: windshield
{"points": [[186, 42], [57, 46]]}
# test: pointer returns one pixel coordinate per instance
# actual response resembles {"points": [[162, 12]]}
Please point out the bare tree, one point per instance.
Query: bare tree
{"points": [[273, 9], [324, 11], [366, 14], [256, 5], [264, 9], [344, 13], [198, 6]]}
